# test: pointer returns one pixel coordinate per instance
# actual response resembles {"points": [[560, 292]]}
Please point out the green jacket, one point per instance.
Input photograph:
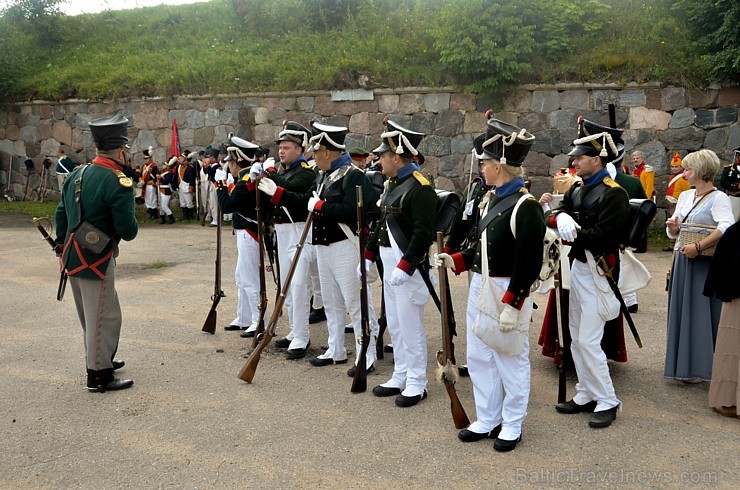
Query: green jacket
{"points": [[632, 185], [107, 199]]}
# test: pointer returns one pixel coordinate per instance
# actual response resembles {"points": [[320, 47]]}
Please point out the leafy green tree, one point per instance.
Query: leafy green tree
{"points": [[42, 17], [715, 26], [484, 45]]}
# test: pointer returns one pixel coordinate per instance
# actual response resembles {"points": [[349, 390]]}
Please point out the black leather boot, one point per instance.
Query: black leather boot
{"points": [[161, 219], [172, 219], [104, 380]]}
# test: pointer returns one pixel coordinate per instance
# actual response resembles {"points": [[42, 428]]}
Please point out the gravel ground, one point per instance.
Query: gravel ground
{"points": [[189, 422]]}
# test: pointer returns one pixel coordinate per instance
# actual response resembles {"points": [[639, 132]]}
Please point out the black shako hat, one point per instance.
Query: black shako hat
{"points": [[480, 152], [109, 133], [148, 152], [211, 152], [243, 149], [297, 133], [596, 140], [399, 140], [505, 142], [329, 137]]}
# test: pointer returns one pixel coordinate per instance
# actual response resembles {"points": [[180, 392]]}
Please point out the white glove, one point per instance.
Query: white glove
{"points": [[368, 266], [255, 171], [443, 260], [220, 175], [268, 186], [398, 277], [313, 201], [508, 319], [567, 227], [269, 164]]}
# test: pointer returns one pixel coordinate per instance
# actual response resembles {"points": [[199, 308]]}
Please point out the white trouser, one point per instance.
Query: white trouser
{"points": [[500, 383], [630, 299], [60, 180], [586, 331], [186, 198], [315, 282], [164, 205], [340, 289], [150, 197], [247, 282], [404, 312], [209, 201], [298, 297]]}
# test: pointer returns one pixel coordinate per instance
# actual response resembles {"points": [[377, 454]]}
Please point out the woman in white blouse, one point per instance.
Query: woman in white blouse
{"points": [[693, 319]]}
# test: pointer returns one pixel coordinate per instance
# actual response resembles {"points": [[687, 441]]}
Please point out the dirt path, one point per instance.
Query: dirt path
{"points": [[189, 422]]}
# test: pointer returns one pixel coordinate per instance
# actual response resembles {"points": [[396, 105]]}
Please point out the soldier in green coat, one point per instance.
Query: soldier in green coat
{"points": [[89, 228]]}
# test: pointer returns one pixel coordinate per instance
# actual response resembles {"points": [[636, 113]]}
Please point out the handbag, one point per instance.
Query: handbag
{"points": [[692, 233], [633, 274]]}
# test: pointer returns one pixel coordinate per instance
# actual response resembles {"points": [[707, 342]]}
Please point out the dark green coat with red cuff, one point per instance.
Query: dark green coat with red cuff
{"points": [[241, 200], [107, 198], [519, 258], [416, 216]]}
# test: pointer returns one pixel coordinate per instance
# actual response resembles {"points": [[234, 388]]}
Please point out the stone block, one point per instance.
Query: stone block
{"points": [[305, 104], [726, 116], [451, 166], [28, 134], [164, 139], [698, 98], [545, 101], [212, 117], [359, 123], [475, 122], [176, 115], [537, 164], [653, 98], [229, 117], [410, 103], [195, 119], [642, 118], [61, 131], [691, 138], [534, 121], [82, 120], [87, 140], [682, 118], [355, 140], [716, 139], [673, 98], [78, 140], [508, 117], [733, 138], [635, 137], [277, 116], [376, 124], [270, 102], [600, 99], [449, 123], [632, 98], [388, 103], [13, 132], [47, 112], [233, 104], [729, 96], [435, 146], [148, 138], [714, 118], [48, 147], [563, 120], [548, 142], [323, 105], [288, 103], [437, 102], [43, 129], [462, 102], [203, 136], [516, 101], [59, 112], [556, 163], [461, 144], [424, 122], [265, 132], [574, 99], [338, 120], [221, 132], [655, 153]]}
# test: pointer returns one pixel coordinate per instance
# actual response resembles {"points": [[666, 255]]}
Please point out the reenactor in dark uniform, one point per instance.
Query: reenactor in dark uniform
{"points": [[332, 199], [209, 197], [730, 183], [100, 198], [294, 175], [240, 199], [402, 238], [167, 183], [593, 217], [505, 261], [186, 177]]}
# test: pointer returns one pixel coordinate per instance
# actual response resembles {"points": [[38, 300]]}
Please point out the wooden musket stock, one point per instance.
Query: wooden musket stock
{"points": [[359, 381], [210, 324], [263, 285]]}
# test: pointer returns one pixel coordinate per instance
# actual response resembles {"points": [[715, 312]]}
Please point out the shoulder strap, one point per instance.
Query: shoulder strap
{"points": [[78, 193], [696, 204], [498, 209], [400, 191], [512, 222]]}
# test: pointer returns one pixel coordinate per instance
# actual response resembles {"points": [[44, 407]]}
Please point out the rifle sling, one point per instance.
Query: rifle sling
{"points": [[500, 208]]}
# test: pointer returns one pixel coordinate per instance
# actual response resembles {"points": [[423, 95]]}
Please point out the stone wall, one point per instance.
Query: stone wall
{"points": [[658, 121]]}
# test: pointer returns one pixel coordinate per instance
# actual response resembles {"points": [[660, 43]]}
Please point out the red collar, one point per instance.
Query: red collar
{"points": [[107, 163]]}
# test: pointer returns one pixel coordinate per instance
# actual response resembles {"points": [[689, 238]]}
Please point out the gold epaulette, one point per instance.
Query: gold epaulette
{"points": [[728, 165], [246, 178], [305, 165], [420, 177], [610, 182], [125, 182]]}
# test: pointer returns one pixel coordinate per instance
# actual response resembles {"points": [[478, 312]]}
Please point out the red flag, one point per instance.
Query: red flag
{"points": [[175, 146]]}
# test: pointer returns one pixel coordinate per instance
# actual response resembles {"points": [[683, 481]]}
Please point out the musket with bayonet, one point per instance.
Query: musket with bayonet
{"points": [[607, 272], [446, 370], [562, 294], [261, 247], [210, 324], [250, 367], [359, 381]]}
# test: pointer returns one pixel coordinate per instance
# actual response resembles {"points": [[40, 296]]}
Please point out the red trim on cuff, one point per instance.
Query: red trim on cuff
{"points": [[404, 265], [369, 255], [552, 221], [251, 186], [447, 250], [459, 263], [278, 196], [318, 205]]}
